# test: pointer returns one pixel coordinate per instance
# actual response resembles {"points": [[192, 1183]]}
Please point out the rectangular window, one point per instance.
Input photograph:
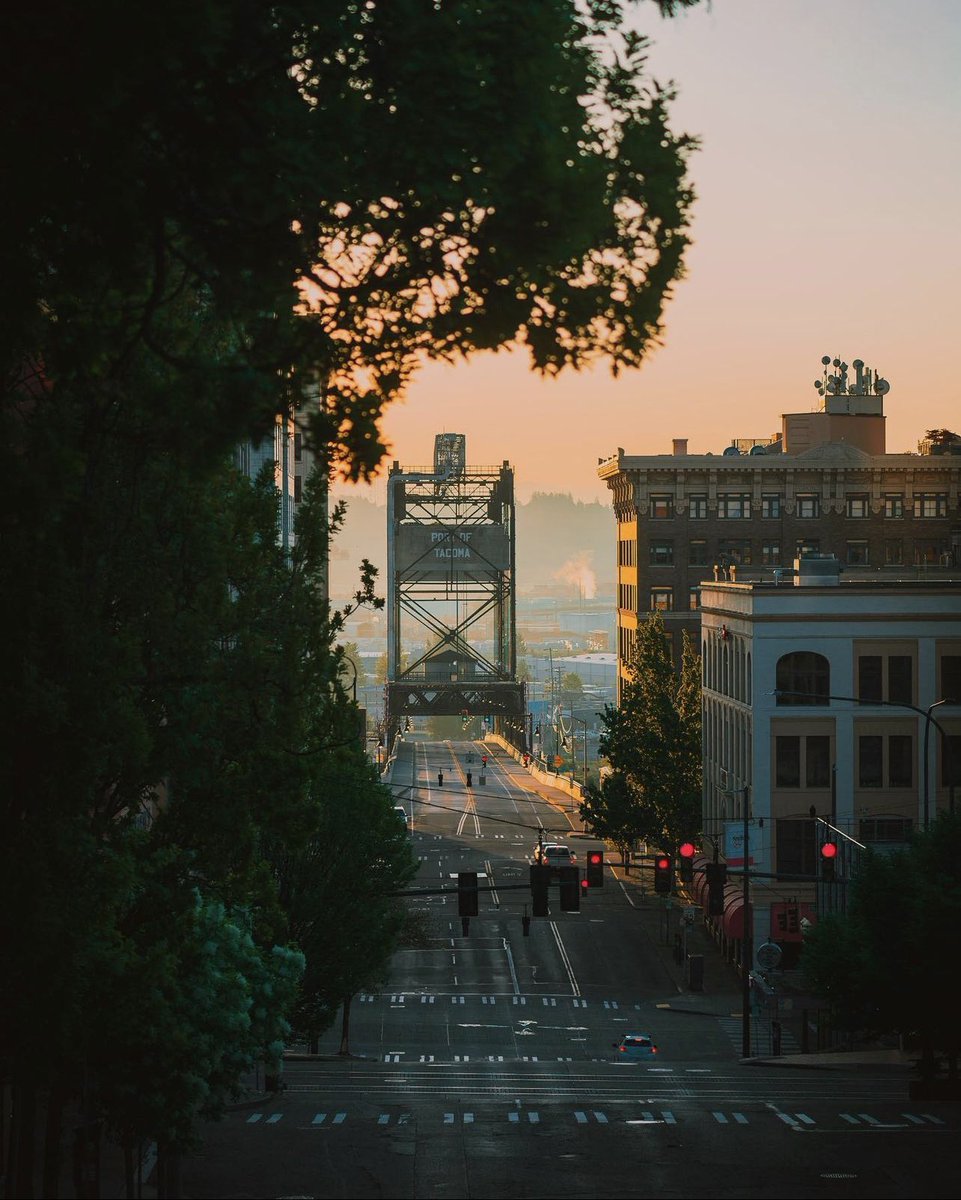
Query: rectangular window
{"points": [[870, 761], [697, 508], [893, 506], [697, 553], [885, 829], [661, 554], [857, 506], [817, 761], [807, 546], [627, 552], [901, 678], [771, 554], [662, 507], [694, 599], [734, 550], [298, 446], [787, 761], [900, 760], [893, 554], [298, 488], [885, 678], [951, 760], [950, 665], [857, 553], [662, 599], [808, 505], [627, 596], [771, 506], [931, 504], [932, 551], [797, 852], [734, 506], [870, 686]]}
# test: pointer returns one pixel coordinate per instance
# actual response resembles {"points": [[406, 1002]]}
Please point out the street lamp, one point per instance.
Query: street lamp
{"points": [[929, 720], [580, 721]]}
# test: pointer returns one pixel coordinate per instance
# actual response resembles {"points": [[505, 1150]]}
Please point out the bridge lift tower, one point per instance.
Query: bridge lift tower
{"points": [[450, 563]]}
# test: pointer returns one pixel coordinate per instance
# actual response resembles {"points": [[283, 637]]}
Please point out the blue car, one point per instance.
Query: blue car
{"points": [[635, 1046]]}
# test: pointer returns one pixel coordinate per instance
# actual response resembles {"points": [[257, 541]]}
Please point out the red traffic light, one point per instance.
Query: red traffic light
{"points": [[594, 858], [585, 884], [686, 850], [829, 850], [662, 863]]}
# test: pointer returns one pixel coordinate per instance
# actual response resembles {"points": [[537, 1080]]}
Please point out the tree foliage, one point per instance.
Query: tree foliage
{"points": [[652, 740], [340, 200], [252, 210], [885, 965]]}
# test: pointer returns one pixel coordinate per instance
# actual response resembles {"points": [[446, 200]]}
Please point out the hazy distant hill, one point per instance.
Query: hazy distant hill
{"points": [[559, 541]]}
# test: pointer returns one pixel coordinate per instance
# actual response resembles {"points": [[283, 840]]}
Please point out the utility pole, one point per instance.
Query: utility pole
{"points": [[748, 934]]}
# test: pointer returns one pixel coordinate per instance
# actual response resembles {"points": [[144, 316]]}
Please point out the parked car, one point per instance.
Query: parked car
{"points": [[402, 814], [554, 855], [634, 1047]]}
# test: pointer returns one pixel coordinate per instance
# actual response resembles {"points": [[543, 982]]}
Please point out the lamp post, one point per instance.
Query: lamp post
{"points": [[748, 932], [580, 721], [929, 720]]}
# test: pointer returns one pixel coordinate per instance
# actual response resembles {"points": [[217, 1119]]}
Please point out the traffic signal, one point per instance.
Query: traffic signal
{"points": [[540, 881], [686, 852], [595, 868], [570, 889], [829, 854], [716, 879], [467, 896], [663, 874]]}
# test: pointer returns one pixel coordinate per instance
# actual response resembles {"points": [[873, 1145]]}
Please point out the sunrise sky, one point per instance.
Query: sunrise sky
{"points": [[827, 222]]}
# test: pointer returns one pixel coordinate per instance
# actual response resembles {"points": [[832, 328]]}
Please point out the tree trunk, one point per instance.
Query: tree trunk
{"points": [[22, 1141], [345, 1028], [313, 1042], [128, 1175], [53, 1141]]}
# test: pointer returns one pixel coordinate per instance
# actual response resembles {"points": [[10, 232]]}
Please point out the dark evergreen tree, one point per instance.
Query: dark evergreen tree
{"points": [[652, 741]]}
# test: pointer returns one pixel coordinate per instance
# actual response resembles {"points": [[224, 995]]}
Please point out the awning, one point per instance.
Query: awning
{"points": [[732, 923], [698, 888]]}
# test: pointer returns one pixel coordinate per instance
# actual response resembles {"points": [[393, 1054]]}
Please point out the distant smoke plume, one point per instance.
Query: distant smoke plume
{"points": [[579, 573]]}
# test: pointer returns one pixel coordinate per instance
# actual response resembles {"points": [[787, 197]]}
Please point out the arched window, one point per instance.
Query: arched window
{"points": [[803, 677]]}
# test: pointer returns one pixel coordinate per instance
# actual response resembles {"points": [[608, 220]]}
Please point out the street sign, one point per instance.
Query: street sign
{"points": [[768, 955], [690, 913]]}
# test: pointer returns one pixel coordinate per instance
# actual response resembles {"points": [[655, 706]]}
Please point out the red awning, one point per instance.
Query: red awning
{"points": [[732, 923], [699, 886]]}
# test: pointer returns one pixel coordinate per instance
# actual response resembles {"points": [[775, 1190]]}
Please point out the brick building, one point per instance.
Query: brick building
{"points": [[823, 485]]}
